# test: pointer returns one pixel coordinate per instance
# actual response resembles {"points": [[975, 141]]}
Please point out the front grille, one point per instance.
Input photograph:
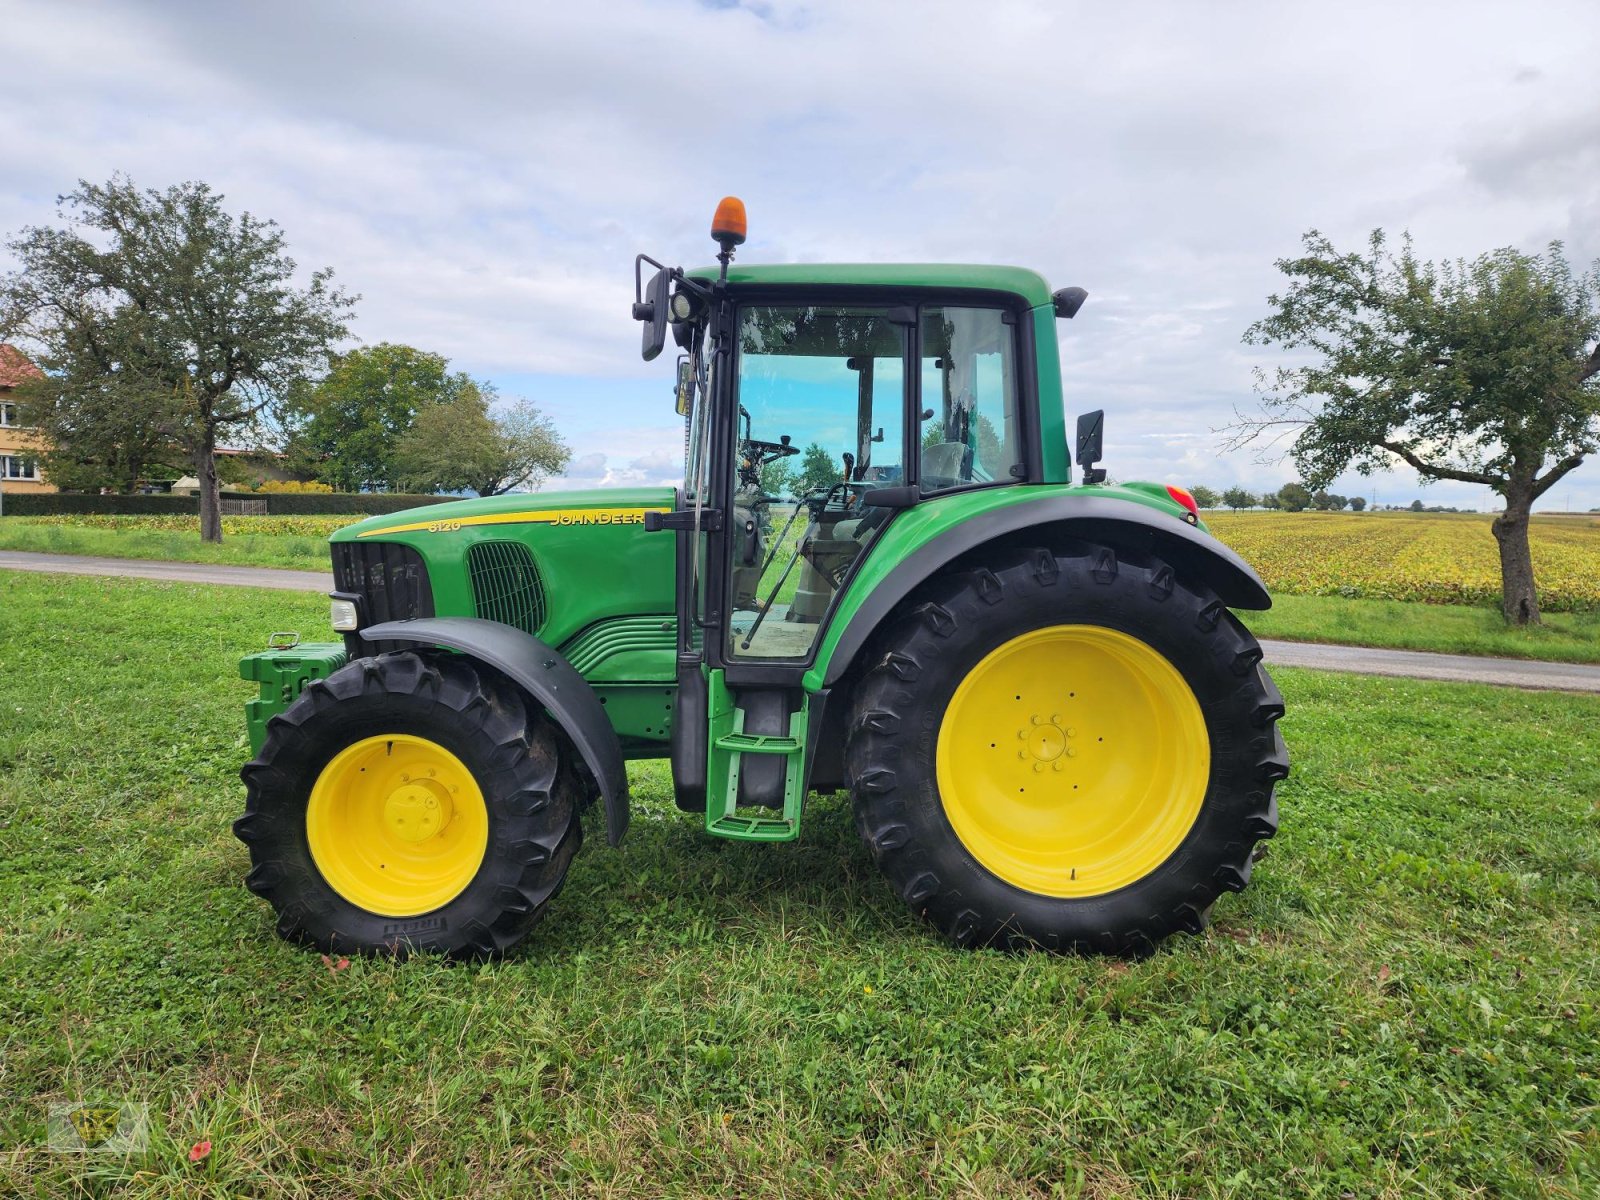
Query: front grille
{"points": [[506, 585], [392, 581]]}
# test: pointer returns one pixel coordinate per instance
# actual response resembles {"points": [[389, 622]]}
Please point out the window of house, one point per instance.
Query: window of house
{"points": [[16, 467], [8, 414], [971, 434]]}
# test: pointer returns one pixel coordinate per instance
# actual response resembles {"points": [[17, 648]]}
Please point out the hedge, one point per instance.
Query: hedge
{"points": [[279, 504]]}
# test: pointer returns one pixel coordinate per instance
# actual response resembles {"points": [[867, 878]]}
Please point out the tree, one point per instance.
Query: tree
{"points": [[1237, 498], [777, 478], [101, 425], [1204, 497], [530, 450], [1358, 503], [1270, 501], [1324, 501], [173, 298], [1482, 372], [459, 445], [818, 469], [1294, 497], [346, 428]]}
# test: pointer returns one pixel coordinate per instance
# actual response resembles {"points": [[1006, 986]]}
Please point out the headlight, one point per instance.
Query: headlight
{"points": [[343, 615]]}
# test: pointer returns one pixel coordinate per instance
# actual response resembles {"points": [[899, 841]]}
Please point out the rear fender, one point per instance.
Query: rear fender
{"points": [[1107, 520], [544, 674]]}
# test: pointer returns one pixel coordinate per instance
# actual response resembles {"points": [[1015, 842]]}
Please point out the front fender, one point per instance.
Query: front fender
{"points": [[545, 675], [1131, 523]]}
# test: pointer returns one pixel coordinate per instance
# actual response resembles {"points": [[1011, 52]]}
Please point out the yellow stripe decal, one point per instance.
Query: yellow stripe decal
{"points": [[541, 516]]}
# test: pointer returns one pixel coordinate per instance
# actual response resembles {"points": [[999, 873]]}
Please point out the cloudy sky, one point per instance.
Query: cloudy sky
{"points": [[483, 173]]}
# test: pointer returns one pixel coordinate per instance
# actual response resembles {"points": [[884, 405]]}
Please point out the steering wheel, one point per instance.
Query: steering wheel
{"points": [[765, 452]]}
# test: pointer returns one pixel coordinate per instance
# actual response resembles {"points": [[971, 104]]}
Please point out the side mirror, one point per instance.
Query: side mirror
{"points": [[652, 310], [1068, 301], [1091, 435], [685, 390]]}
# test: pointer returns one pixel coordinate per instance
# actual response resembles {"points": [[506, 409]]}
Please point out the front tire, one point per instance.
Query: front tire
{"points": [[409, 803], [1067, 749]]}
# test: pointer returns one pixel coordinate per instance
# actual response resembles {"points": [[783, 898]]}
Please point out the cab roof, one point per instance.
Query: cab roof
{"points": [[1019, 281]]}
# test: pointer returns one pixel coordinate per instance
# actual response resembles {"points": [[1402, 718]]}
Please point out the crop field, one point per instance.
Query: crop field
{"points": [[1437, 558], [1403, 1003]]}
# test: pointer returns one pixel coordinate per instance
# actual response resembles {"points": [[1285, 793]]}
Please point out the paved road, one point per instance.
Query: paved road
{"points": [[1363, 660], [1417, 664]]}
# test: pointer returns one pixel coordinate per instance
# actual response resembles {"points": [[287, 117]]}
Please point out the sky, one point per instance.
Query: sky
{"points": [[482, 174]]}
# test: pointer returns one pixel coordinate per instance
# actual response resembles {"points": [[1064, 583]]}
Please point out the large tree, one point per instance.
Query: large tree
{"points": [[346, 428], [1482, 372], [171, 295], [462, 445]]}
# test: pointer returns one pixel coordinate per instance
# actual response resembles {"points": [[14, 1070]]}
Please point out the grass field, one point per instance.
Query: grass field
{"points": [[1403, 1004], [1437, 558], [297, 542], [1448, 629]]}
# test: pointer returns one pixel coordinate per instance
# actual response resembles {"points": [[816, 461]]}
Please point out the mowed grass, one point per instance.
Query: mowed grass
{"points": [[302, 544], [1435, 558], [1448, 629], [1402, 1004]]}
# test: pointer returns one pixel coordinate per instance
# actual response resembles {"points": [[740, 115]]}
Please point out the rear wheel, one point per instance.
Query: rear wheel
{"points": [[409, 803], [1066, 750]]}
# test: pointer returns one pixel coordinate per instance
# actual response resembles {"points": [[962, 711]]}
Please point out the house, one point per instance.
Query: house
{"points": [[19, 469]]}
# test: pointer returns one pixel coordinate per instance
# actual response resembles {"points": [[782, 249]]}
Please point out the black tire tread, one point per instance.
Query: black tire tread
{"points": [[883, 757], [533, 792]]}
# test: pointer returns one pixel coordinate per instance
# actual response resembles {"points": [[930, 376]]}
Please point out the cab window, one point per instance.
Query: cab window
{"points": [[821, 420], [970, 432]]}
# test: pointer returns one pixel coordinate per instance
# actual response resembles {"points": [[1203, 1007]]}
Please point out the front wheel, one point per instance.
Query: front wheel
{"points": [[409, 802], [1068, 750]]}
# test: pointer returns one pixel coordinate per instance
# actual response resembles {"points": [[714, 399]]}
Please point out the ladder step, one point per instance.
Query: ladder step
{"points": [[754, 829], [758, 743]]}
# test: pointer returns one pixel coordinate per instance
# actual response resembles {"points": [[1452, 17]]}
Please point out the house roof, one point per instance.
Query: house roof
{"points": [[15, 366]]}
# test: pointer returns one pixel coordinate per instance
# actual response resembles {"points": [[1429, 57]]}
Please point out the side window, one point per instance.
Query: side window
{"points": [[821, 420], [970, 431]]}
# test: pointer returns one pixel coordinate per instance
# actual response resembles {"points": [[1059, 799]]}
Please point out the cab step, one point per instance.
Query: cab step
{"points": [[729, 773]]}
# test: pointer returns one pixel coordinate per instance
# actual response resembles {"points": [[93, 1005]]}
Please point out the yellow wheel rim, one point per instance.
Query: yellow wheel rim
{"points": [[1073, 760], [397, 825]]}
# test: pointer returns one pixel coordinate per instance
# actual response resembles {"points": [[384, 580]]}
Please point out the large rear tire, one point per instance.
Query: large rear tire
{"points": [[409, 803], [1066, 749]]}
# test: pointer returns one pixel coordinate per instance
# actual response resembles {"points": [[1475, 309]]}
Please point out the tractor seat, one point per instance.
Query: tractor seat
{"points": [[946, 464]]}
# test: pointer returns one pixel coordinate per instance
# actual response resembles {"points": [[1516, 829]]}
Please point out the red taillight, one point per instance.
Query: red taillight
{"points": [[1182, 496]]}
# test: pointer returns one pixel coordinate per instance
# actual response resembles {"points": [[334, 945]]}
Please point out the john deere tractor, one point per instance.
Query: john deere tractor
{"points": [[878, 574]]}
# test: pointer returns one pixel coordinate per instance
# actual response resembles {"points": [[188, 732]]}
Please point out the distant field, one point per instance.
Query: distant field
{"points": [[1437, 558], [299, 542]]}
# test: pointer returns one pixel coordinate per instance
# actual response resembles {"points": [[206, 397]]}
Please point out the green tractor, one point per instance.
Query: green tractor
{"points": [[877, 575]]}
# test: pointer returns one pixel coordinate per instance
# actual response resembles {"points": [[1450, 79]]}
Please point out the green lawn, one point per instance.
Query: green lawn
{"points": [[1403, 1004], [306, 553], [1450, 628]]}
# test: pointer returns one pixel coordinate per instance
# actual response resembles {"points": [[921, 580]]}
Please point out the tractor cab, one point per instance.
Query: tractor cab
{"points": [[820, 403]]}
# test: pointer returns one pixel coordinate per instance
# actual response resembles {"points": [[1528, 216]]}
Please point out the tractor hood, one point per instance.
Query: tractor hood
{"points": [[595, 507]]}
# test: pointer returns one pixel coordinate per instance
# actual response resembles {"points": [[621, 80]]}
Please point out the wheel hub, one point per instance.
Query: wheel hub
{"points": [[414, 812], [1045, 742]]}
